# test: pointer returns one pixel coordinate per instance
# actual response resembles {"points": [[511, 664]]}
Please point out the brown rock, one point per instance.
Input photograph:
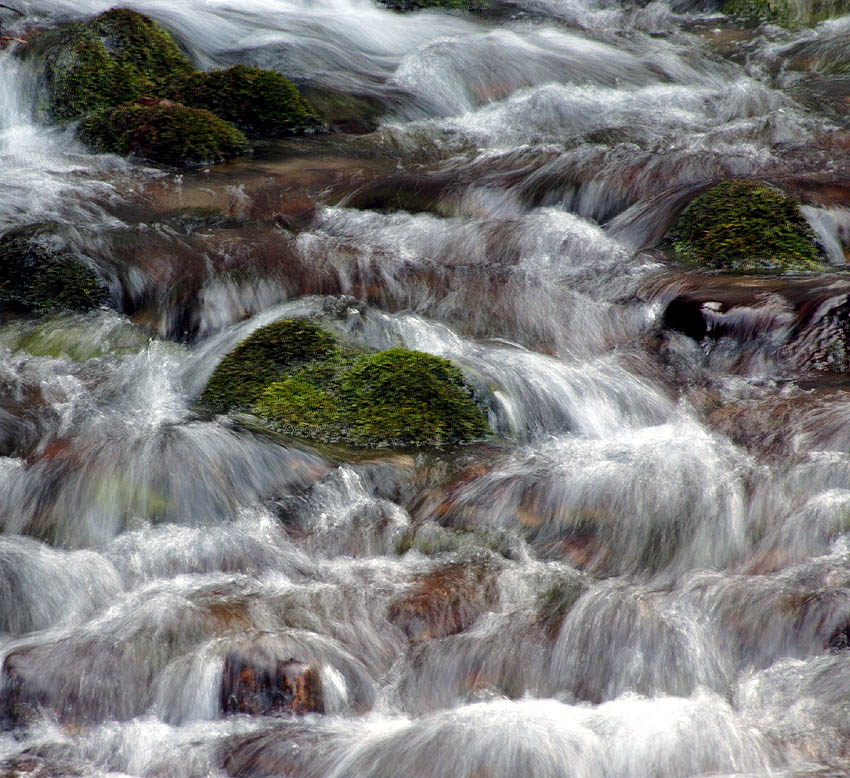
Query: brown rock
{"points": [[446, 600], [259, 684]]}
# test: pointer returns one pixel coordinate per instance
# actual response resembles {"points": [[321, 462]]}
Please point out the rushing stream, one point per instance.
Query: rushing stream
{"points": [[645, 573]]}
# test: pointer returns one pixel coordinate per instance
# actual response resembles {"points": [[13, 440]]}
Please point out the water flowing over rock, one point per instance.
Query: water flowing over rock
{"points": [[424, 388]]}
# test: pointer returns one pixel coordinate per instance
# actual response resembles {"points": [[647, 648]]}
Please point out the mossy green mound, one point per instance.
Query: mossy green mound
{"points": [[162, 131], [788, 13], [35, 276], [745, 226], [452, 5], [302, 381], [111, 59], [259, 102], [96, 69]]}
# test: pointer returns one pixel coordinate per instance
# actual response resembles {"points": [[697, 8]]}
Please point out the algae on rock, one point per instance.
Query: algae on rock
{"points": [[100, 71], [111, 59], [745, 226], [787, 13], [162, 131], [35, 276], [259, 102], [303, 381]]}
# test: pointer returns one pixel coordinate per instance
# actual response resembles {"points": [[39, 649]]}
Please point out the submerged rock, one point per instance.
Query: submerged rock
{"points": [[303, 381], [37, 276], [745, 226], [446, 600], [260, 684], [162, 131], [259, 102]]}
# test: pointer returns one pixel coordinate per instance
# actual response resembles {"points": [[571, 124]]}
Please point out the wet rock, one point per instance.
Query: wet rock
{"points": [[261, 103], [162, 131], [745, 226], [103, 62], [30, 765], [303, 381], [260, 684], [784, 12], [446, 600], [38, 275], [291, 750]]}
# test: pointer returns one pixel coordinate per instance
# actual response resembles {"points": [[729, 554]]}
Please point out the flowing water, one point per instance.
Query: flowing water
{"points": [[644, 574]]}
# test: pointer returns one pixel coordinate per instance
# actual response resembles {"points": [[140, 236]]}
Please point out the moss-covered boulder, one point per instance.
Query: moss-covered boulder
{"points": [[449, 5], [162, 131], [303, 381], [103, 62], [259, 102], [745, 226], [37, 276], [99, 69], [788, 13]]}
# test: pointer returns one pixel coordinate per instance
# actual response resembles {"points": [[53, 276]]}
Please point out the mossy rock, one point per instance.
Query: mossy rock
{"points": [[302, 381], [106, 61], [35, 276], [450, 5], [745, 226], [74, 336], [259, 102], [162, 131], [788, 13]]}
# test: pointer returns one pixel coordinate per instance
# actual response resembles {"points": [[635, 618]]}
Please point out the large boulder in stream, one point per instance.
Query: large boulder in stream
{"points": [[303, 381], [745, 226], [100, 63], [38, 275]]}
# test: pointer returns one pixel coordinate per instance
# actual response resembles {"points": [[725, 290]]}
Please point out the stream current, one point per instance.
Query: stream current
{"points": [[644, 574]]}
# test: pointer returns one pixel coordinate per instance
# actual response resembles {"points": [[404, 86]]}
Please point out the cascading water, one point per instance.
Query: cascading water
{"points": [[645, 572]]}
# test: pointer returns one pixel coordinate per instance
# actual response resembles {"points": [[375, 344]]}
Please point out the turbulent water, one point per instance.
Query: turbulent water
{"points": [[645, 573]]}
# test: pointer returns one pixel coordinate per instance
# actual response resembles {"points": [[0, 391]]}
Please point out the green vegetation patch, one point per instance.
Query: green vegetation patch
{"points": [[35, 276], [745, 226], [451, 5], [788, 13], [301, 380], [111, 59], [259, 102], [98, 69], [162, 131]]}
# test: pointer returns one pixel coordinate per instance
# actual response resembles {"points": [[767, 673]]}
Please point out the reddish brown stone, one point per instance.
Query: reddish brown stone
{"points": [[445, 601], [256, 683]]}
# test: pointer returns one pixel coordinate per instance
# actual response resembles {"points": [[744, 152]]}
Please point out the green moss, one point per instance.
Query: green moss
{"points": [[400, 396], [259, 102], [34, 276], [298, 406], [137, 42], [302, 381], [778, 11], [788, 13], [163, 132], [745, 226], [111, 59], [452, 5], [264, 358], [73, 336]]}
